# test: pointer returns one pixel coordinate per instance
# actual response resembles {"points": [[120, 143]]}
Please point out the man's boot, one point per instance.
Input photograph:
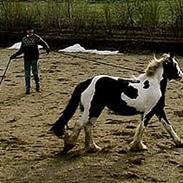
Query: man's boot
{"points": [[36, 79], [37, 88], [27, 92], [27, 85]]}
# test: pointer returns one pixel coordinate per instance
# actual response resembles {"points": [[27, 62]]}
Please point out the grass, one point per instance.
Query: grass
{"points": [[90, 16]]}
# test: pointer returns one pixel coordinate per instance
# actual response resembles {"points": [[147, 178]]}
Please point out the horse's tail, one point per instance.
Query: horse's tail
{"points": [[59, 126]]}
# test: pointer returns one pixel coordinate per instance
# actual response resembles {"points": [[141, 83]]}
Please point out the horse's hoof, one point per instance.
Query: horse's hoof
{"points": [[179, 143], [68, 147], [135, 147], [93, 149]]}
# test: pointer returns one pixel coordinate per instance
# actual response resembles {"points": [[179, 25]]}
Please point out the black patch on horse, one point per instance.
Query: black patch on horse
{"points": [[146, 84], [129, 91], [131, 80], [108, 93]]}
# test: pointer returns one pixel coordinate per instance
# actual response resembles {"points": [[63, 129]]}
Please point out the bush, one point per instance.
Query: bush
{"points": [[93, 15]]}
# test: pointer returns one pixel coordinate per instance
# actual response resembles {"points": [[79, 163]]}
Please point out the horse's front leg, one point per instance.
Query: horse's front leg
{"points": [[163, 119], [90, 145], [137, 144]]}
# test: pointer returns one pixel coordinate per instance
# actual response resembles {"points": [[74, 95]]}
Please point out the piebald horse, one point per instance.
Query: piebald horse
{"points": [[144, 95]]}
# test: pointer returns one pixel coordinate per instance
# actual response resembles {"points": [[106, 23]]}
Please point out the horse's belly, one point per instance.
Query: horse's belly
{"points": [[121, 108]]}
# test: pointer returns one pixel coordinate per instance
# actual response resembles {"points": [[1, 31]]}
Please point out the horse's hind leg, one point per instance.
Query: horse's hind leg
{"points": [[70, 141], [90, 145], [95, 111]]}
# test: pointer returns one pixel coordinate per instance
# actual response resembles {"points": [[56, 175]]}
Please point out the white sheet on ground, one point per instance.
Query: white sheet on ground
{"points": [[79, 48], [16, 46]]}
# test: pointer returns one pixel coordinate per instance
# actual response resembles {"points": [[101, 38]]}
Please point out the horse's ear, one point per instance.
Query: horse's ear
{"points": [[171, 54]]}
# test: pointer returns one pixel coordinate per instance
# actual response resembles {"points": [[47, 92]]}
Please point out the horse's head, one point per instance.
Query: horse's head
{"points": [[171, 68]]}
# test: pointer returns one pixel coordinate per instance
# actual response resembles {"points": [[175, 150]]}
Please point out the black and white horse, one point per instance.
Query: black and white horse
{"points": [[143, 95]]}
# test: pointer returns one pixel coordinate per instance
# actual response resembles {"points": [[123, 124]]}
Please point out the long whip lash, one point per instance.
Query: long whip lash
{"points": [[102, 62], [81, 57], [2, 77]]}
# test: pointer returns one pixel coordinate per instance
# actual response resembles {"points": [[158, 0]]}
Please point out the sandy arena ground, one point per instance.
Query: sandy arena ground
{"points": [[28, 154]]}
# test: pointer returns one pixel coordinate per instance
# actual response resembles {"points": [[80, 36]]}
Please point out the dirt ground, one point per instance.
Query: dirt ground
{"points": [[28, 154]]}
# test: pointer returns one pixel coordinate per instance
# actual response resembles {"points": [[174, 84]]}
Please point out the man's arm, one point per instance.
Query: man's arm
{"points": [[44, 44], [19, 52]]}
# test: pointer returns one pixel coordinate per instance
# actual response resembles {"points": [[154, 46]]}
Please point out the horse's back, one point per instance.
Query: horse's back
{"points": [[123, 96]]}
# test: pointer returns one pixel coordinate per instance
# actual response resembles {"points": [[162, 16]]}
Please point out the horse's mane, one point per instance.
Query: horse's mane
{"points": [[155, 64]]}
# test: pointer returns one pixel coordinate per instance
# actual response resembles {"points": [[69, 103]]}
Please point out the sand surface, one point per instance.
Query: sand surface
{"points": [[28, 154]]}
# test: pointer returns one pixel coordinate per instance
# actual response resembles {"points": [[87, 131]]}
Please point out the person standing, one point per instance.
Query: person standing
{"points": [[29, 47]]}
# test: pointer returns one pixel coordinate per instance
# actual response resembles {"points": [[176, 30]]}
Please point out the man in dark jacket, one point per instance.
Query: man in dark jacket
{"points": [[29, 47]]}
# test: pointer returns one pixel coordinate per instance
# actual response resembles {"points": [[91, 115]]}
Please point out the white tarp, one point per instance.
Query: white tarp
{"points": [[16, 46], [79, 48], [72, 49]]}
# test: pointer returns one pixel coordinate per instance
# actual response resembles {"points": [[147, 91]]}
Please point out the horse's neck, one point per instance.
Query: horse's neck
{"points": [[158, 78], [161, 80], [163, 85], [159, 74]]}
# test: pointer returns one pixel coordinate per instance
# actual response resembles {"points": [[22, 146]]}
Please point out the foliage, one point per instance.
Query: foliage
{"points": [[93, 15]]}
